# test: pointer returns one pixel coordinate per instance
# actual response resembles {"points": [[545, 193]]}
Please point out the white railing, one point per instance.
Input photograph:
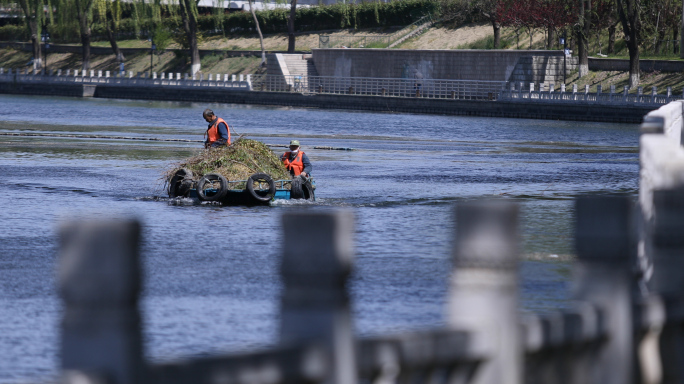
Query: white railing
{"points": [[364, 86], [549, 93], [242, 82], [377, 86]]}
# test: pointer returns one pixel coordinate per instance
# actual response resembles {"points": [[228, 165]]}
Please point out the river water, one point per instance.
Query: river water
{"points": [[211, 280]]}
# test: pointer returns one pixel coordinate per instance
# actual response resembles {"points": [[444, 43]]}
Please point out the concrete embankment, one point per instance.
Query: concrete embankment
{"points": [[582, 111]]}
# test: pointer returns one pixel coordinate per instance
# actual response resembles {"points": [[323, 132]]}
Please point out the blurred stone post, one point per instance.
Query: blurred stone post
{"points": [[99, 281], [603, 276], [483, 297], [315, 301], [667, 252]]}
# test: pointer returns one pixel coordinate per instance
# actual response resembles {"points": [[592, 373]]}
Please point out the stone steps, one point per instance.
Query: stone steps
{"points": [[419, 29], [536, 69], [300, 65]]}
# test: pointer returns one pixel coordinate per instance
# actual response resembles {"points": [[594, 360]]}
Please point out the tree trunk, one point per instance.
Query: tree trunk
{"points": [[629, 17], [611, 38], [658, 47], [291, 28], [529, 32], [497, 34], [37, 54], [34, 28], [549, 38], [190, 25], [633, 65], [82, 10], [583, 37], [675, 34], [112, 42], [582, 54], [85, 42], [85, 53], [261, 37]]}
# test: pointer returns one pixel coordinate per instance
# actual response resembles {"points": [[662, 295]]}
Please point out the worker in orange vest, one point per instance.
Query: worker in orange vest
{"points": [[218, 133], [296, 161]]}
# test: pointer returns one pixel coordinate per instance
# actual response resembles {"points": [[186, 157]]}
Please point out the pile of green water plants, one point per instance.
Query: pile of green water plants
{"points": [[236, 162]]}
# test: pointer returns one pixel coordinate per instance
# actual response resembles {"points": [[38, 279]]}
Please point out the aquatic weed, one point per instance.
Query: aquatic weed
{"points": [[243, 158]]}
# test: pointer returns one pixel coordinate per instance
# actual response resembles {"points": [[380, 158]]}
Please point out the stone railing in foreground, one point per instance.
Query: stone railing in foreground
{"points": [[661, 245], [92, 77], [548, 93], [610, 335]]}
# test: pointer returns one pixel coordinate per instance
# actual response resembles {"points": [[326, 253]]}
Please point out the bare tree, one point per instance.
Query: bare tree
{"points": [[261, 36], [488, 9], [611, 36], [628, 11]]}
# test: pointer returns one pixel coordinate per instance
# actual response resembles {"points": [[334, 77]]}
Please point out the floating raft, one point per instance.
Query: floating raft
{"points": [[247, 172]]}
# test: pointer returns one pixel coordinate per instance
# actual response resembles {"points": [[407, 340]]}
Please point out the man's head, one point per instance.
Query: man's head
{"points": [[208, 115], [294, 145]]}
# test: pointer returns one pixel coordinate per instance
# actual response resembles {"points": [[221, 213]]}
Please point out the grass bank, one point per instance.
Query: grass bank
{"points": [[174, 61], [165, 62], [470, 36]]}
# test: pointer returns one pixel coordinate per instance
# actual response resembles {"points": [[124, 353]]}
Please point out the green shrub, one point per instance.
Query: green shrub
{"points": [[14, 33]]}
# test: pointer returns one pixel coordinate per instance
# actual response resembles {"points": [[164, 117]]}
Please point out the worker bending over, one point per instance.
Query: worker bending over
{"points": [[218, 133]]}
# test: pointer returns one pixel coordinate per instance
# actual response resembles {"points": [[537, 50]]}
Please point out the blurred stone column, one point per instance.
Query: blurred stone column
{"points": [[483, 297], [603, 276], [667, 251], [317, 260], [99, 282]]}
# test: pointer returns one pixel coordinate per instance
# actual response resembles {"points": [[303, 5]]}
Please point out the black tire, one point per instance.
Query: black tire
{"points": [[177, 182], [296, 191], [212, 178], [184, 187], [261, 178]]}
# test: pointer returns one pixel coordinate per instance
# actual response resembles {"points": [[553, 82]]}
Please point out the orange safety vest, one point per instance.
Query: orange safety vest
{"points": [[213, 131], [295, 166]]}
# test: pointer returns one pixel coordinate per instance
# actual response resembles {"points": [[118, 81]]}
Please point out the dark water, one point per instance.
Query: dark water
{"points": [[211, 282]]}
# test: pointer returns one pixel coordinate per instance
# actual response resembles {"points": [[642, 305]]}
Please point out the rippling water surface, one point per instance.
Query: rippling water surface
{"points": [[211, 279]]}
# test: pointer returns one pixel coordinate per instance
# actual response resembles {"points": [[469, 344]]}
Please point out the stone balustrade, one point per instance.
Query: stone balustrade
{"points": [[125, 79]]}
